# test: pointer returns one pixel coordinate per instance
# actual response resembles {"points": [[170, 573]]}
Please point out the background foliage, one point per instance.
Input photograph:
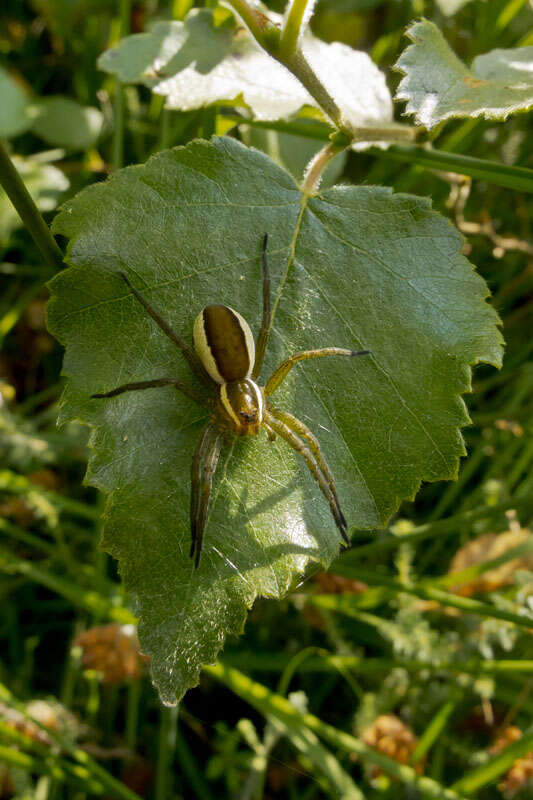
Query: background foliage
{"points": [[386, 670]]}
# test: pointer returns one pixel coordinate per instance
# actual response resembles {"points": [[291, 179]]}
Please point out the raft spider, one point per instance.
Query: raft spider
{"points": [[226, 360]]}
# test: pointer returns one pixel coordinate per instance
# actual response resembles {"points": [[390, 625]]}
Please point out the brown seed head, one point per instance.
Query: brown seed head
{"points": [[520, 776], [486, 548], [390, 736], [112, 650]]}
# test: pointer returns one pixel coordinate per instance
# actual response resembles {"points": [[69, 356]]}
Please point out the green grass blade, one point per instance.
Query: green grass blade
{"points": [[467, 604], [271, 704], [434, 730], [442, 527], [518, 178], [112, 786], [19, 485], [308, 744], [506, 175], [491, 771], [262, 662], [90, 600]]}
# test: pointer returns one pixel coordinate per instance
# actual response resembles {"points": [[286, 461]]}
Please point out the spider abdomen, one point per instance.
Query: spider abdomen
{"points": [[244, 406], [224, 342]]}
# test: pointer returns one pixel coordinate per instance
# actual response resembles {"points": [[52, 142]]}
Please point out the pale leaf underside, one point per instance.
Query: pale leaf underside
{"points": [[438, 86], [196, 63]]}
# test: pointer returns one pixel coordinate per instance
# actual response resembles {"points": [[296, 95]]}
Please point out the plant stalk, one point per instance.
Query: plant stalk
{"points": [[119, 99], [268, 36], [301, 69], [165, 752], [293, 26], [29, 213]]}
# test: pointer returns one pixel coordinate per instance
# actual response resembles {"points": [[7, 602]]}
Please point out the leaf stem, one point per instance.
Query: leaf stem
{"points": [[29, 213], [283, 47], [319, 131], [293, 26], [506, 175], [300, 68], [267, 36], [316, 167]]}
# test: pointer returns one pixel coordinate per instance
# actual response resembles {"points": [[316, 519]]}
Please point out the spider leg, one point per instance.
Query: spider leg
{"points": [[203, 468], [314, 445], [292, 438], [281, 372], [271, 436], [262, 339], [130, 387], [189, 353]]}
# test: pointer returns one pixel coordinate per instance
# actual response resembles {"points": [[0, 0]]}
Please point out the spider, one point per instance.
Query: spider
{"points": [[226, 360]]}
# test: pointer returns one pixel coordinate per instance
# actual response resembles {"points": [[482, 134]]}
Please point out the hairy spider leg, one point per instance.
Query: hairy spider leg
{"points": [[281, 372], [131, 387], [314, 445], [264, 332], [297, 444], [189, 353], [204, 464]]}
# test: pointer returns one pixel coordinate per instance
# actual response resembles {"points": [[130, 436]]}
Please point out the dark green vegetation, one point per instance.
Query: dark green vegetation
{"points": [[403, 659]]}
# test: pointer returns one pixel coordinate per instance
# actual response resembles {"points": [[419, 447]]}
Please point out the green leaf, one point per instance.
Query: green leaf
{"points": [[196, 63], [370, 270], [58, 120], [15, 107], [438, 86], [322, 761], [44, 182], [63, 122]]}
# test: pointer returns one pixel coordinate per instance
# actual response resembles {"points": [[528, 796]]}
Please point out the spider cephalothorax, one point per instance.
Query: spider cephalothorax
{"points": [[227, 361]]}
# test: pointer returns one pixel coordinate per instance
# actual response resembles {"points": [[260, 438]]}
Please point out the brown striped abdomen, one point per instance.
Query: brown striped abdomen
{"points": [[224, 342]]}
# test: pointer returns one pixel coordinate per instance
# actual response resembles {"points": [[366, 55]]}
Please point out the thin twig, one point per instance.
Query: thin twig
{"points": [[459, 194]]}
